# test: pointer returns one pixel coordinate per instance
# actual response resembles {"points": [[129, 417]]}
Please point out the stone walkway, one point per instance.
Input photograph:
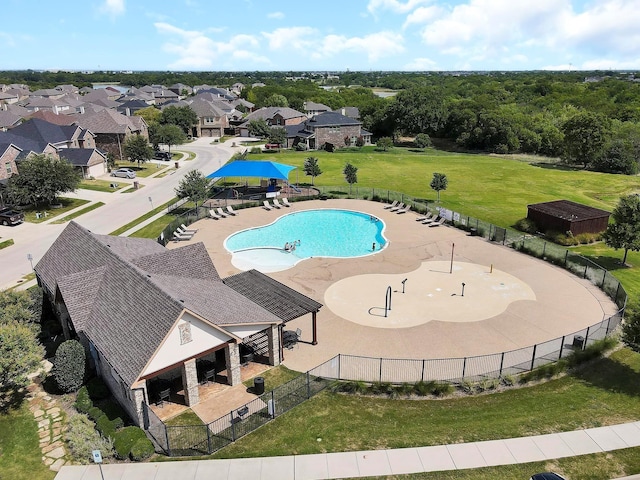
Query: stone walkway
{"points": [[51, 427]]}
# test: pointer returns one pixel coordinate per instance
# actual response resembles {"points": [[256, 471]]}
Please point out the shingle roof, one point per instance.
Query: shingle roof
{"points": [[126, 294], [328, 119], [44, 132], [569, 210], [270, 112], [284, 302], [106, 121], [81, 157], [8, 119]]}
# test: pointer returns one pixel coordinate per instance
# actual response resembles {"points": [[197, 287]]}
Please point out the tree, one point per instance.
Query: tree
{"points": [[278, 135], [168, 134], [184, 117], [137, 149], [41, 179], [259, 128], [311, 168], [20, 355], [439, 182], [17, 306], [585, 135], [631, 327], [624, 232], [350, 175], [194, 185], [69, 366], [276, 100], [422, 140], [150, 114], [384, 143]]}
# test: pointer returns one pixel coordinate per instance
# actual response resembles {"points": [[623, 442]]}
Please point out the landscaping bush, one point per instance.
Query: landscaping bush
{"points": [[82, 439], [97, 389], [423, 388], [106, 427], [142, 450], [83, 403], [595, 350], [69, 366], [526, 225], [441, 388], [95, 413], [125, 439]]}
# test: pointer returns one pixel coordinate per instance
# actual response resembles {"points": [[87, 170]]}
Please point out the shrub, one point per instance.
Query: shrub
{"points": [[142, 450], [82, 439], [69, 366], [422, 388], [83, 403], [95, 413], [255, 150], [526, 225], [125, 439], [97, 389], [441, 388], [106, 427], [468, 387], [381, 388], [507, 380], [595, 350]]}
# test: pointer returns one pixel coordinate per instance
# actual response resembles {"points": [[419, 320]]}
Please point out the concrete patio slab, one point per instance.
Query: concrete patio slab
{"points": [[580, 442], [436, 458], [311, 467], [524, 450], [373, 462], [495, 452], [404, 460], [466, 455]]}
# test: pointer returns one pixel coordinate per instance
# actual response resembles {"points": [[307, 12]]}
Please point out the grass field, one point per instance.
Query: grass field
{"points": [[45, 213], [71, 216]]}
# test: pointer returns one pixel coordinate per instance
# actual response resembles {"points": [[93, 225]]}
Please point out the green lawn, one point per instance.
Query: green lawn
{"points": [[6, 243], [142, 170], [97, 185], [70, 217], [155, 228], [47, 212], [142, 218], [604, 393], [20, 456]]}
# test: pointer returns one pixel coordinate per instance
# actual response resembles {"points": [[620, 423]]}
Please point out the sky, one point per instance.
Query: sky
{"points": [[329, 35]]}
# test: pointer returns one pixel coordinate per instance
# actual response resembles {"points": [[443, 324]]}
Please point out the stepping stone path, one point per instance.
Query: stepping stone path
{"points": [[50, 425]]}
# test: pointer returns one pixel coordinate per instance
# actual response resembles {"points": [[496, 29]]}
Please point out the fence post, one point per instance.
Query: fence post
{"points": [[380, 377], [604, 277], [233, 427], [501, 363], [586, 268], [339, 365], [608, 325], [273, 404], [208, 439], [566, 255], [166, 435], [464, 367], [308, 387], [422, 374], [586, 338], [544, 248], [561, 347], [533, 357]]}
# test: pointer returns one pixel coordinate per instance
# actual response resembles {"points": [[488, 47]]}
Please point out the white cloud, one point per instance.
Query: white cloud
{"points": [[395, 6], [297, 38], [374, 46], [276, 15], [113, 7], [421, 64], [423, 15], [196, 50]]}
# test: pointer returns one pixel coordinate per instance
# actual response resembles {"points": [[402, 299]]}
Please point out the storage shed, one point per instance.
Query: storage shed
{"points": [[566, 216]]}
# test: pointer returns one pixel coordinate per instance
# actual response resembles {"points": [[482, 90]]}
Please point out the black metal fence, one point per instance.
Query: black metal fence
{"points": [[189, 440]]}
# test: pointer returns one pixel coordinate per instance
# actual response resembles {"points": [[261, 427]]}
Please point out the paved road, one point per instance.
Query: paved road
{"points": [[119, 209]]}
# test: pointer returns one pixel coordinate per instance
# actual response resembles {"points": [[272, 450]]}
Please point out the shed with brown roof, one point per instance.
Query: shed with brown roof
{"points": [[567, 216]]}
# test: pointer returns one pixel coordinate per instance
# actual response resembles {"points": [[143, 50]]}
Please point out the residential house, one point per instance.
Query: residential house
{"points": [[50, 93], [274, 116], [91, 162], [327, 131], [8, 120], [212, 120], [181, 89], [313, 108], [148, 315], [8, 166]]}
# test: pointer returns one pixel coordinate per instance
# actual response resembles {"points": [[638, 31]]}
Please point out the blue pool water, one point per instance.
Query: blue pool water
{"points": [[322, 233]]}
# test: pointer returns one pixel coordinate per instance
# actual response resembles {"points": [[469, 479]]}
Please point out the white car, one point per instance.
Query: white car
{"points": [[124, 173]]}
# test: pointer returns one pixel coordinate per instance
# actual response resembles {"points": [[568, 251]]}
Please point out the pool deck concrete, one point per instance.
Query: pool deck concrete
{"points": [[563, 303]]}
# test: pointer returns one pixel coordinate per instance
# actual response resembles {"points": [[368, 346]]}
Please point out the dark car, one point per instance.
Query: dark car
{"points": [[160, 155], [546, 476], [10, 217]]}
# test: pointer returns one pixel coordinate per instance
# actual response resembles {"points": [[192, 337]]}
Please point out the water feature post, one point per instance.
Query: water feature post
{"points": [[453, 246], [387, 301], [462, 290], [403, 282]]}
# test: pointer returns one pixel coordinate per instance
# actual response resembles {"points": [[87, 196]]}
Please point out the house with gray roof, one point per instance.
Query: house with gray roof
{"points": [[8, 120], [274, 116], [150, 316], [327, 130]]}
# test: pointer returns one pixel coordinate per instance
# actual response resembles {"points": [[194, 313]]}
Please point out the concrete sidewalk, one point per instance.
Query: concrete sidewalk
{"points": [[376, 462]]}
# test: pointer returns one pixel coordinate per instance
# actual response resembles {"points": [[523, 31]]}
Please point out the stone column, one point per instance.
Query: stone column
{"points": [[138, 395], [273, 333], [190, 382], [232, 354]]}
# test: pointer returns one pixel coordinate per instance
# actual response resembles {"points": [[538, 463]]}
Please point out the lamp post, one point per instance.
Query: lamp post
{"points": [[30, 258], [403, 282], [151, 202], [463, 289]]}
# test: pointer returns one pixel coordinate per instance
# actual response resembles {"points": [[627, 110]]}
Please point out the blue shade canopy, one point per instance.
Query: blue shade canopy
{"points": [[253, 168]]}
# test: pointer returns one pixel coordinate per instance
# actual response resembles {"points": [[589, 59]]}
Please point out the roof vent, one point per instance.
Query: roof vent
{"points": [[181, 301]]}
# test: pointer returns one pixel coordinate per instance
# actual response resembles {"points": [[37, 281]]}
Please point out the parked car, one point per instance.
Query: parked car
{"points": [[160, 155], [10, 217], [547, 476], [124, 173]]}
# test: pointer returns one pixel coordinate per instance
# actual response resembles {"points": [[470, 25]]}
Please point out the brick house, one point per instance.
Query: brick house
{"points": [[327, 130]]}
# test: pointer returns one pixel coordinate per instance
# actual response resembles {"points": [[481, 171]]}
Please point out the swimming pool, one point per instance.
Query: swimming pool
{"points": [[316, 233]]}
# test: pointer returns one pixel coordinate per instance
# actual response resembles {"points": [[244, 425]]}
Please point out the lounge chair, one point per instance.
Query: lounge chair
{"points": [[184, 228], [391, 205], [276, 203], [438, 222], [427, 221], [213, 214], [266, 205], [428, 216], [177, 237], [184, 233], [285, 202], [404, 210], [221, 212], [231, 211], [397, 207]]}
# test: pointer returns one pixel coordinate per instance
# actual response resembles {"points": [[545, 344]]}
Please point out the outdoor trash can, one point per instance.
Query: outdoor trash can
{"points": [[578, 341], [258, 385]]}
